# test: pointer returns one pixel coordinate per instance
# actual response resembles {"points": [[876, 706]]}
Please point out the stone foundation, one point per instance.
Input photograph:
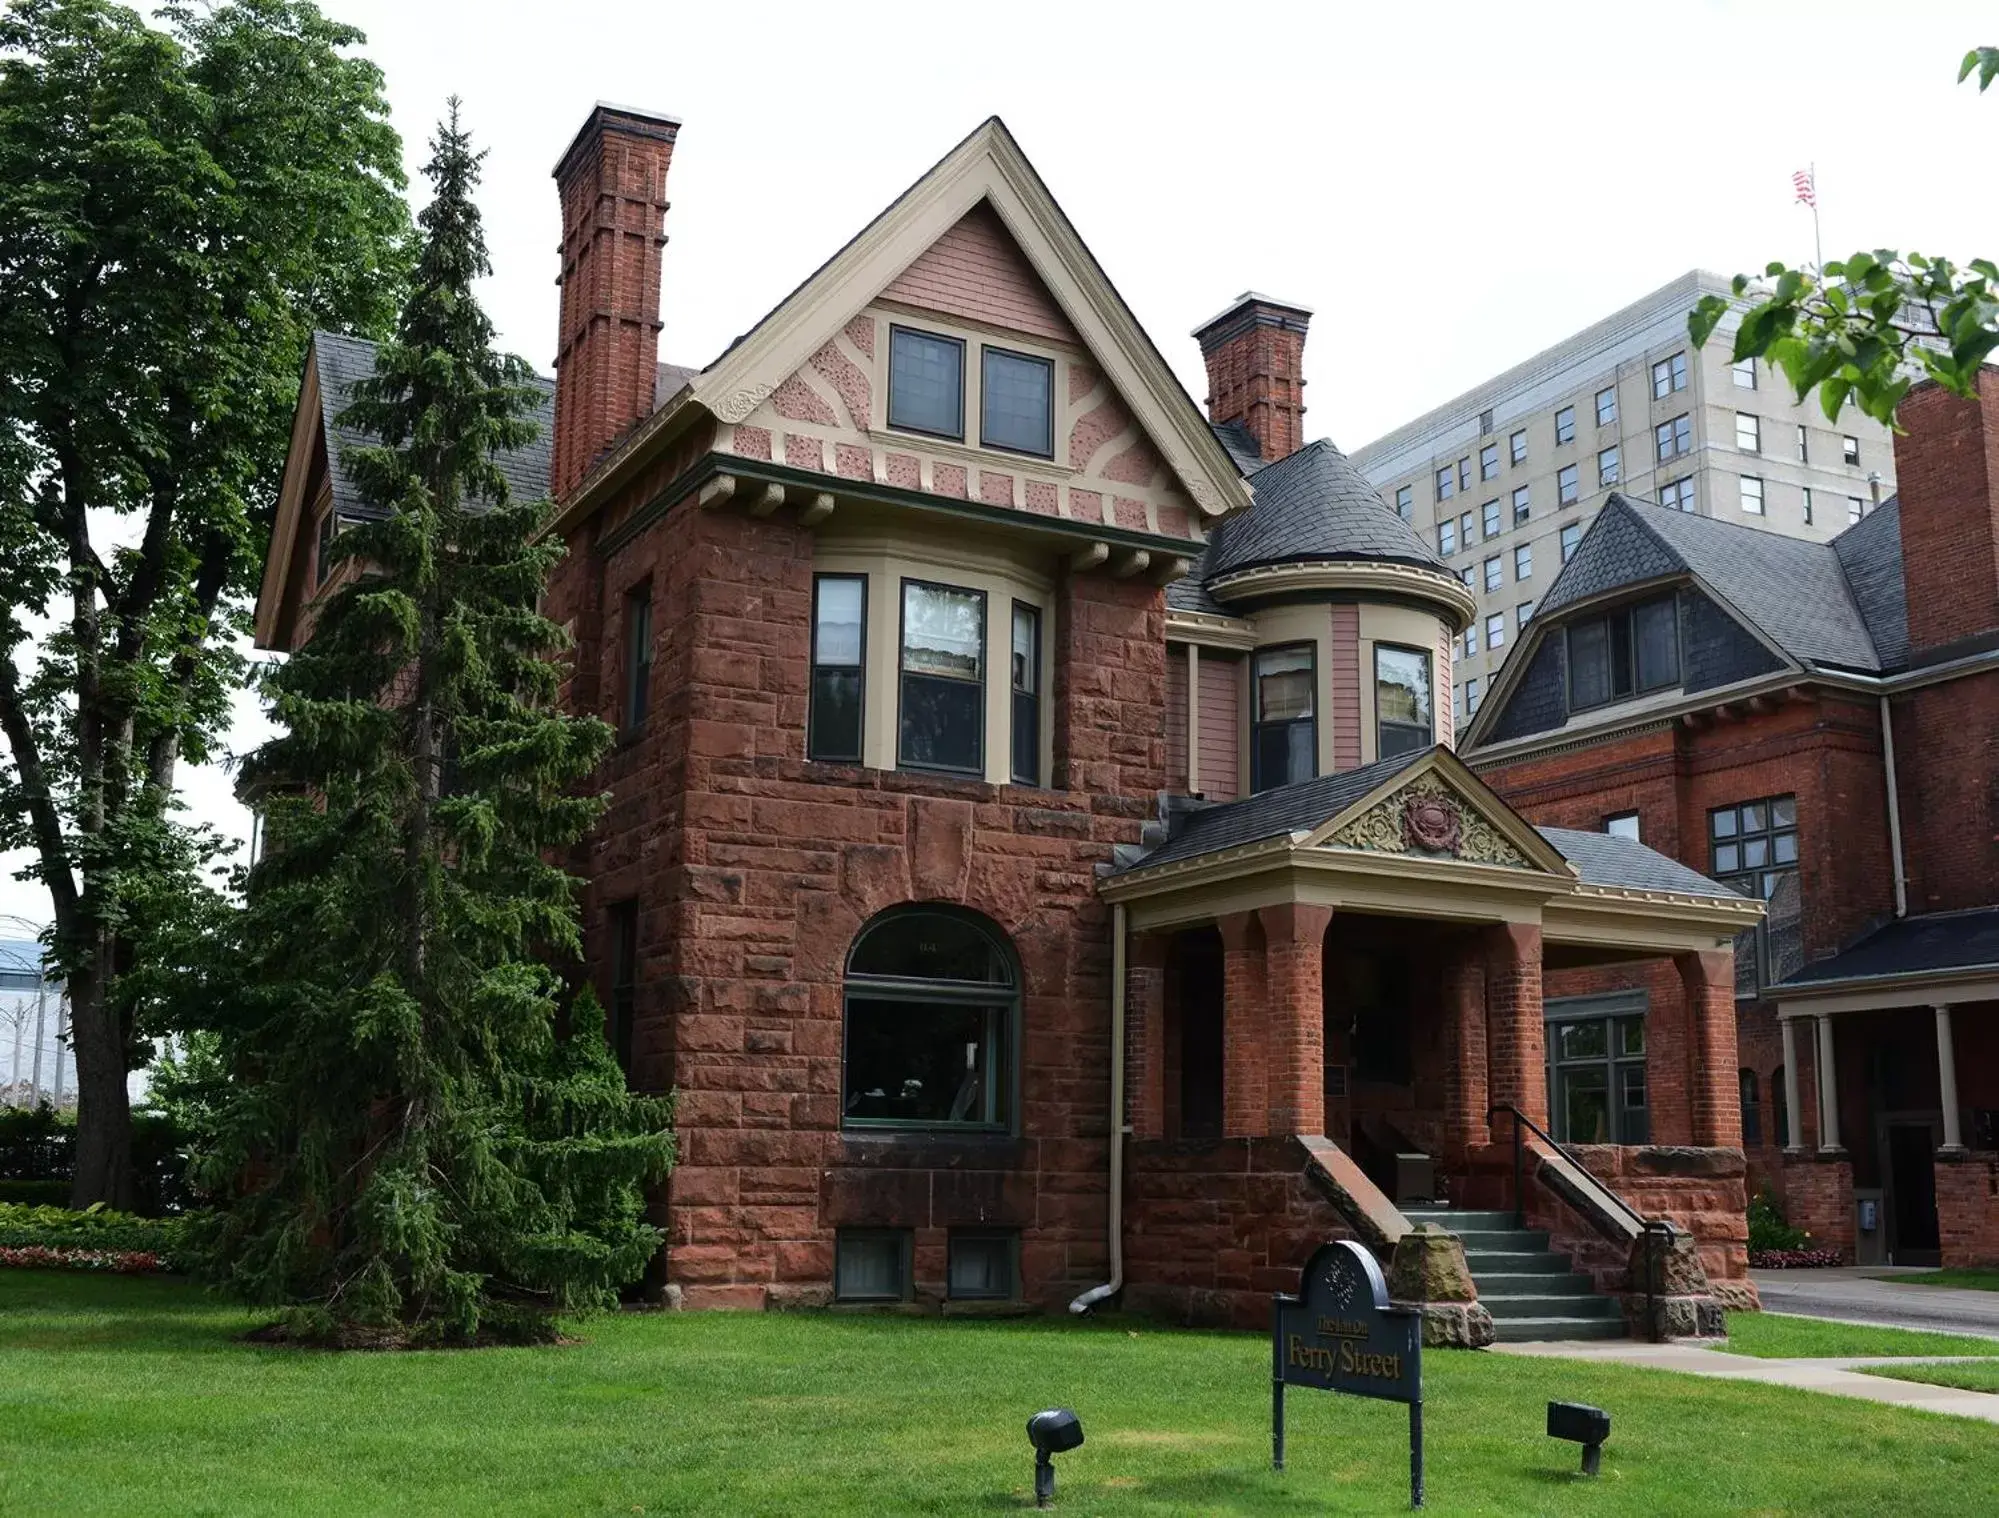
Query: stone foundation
{"points": [[1669, 1295], [1429, 1273]]}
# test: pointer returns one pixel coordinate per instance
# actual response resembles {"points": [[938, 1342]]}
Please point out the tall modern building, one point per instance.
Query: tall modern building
{"points": [[1503, 481]]}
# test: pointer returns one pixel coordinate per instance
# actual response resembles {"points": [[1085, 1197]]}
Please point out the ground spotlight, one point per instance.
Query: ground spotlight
{"points": [[1054, 1432], [1582, 1424]]}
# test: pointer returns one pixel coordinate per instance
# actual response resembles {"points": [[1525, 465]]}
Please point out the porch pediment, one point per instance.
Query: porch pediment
{"points": [[1436, 809]]}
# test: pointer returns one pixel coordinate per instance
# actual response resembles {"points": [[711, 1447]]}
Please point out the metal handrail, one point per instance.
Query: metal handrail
{"points": [[1646, 1226]]}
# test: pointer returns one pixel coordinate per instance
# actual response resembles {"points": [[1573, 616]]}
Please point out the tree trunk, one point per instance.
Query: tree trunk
{"points": [[103, 1109]]}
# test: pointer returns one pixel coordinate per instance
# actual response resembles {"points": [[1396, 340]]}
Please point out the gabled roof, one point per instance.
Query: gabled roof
{"points": [[1268, 814], [1796, 594], [340, 361], [986, 167], [1604, 859], [1314, 505]]}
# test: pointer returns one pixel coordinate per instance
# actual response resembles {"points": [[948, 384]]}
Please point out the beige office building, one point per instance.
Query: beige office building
{"points": [[1503, 480]]}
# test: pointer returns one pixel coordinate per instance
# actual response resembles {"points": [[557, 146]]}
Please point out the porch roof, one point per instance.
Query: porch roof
{"points": [[1912, 961]]}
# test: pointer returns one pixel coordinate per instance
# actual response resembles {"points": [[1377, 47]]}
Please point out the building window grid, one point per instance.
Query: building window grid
{"points": [[1016, 402], [1753, 849], [926, 383], [1596, 1079], [1669, 375], [1632, 651], [1675, 437], [1678, 494]]}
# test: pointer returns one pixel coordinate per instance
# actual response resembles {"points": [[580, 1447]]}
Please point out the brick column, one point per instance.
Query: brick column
{"points": [[1465, 1095], [1294, 959], [1714, 1093], [1245, 1026], [1516, 1038], [1145, 1034]]}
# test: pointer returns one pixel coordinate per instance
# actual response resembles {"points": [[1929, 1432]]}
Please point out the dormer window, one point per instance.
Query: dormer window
{"points": [[1016, 410], [926, 383], [1630, 652]]}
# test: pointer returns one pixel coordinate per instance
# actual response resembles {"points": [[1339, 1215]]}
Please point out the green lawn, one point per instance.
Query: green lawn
{"points": [[1775, 1336], [135, 1396], [1975, 1279], [1980, 1377]]}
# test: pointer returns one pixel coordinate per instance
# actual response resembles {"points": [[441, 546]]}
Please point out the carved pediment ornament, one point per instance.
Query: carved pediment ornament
{"points": [[1427, 818], [738, 404]]}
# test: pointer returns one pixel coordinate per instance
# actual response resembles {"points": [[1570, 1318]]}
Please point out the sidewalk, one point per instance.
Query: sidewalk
{"points": [[1855, 1294], [1834, 1377]]}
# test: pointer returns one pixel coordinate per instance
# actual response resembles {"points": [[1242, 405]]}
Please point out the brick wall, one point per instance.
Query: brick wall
{"points": [[1818, 1197], [1968, 1210], [754, 869], [1945, 467], [1255, 355], [1947, 769]]}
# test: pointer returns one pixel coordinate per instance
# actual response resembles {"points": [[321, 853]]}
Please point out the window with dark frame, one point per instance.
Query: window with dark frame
{"points": [[1572, 536], [1447, 485], [1607, 465], [1447, 536], [1523, 562], [833, 724], [1284, 732], [871, 1264], [1488, 461], [638, 656], [1752, 1110], [1489, 514], [1678, 494], [1753, 848], [932, 1005], [926, 383], [1523, 503], [1464, 474], [1752, 494], [1674, 437], [1596, 1079], [1495, 630], [1026, 677], [1471, 637], [329, 528], [1632, 651], [1568, 485], [1669, 375], [1565, 425], [1748, 432], [1402, 716], [1850, 450], [941, 724], [1016, 402], [1606, 406], [1494, 573], [1804, 444], [1517, 446], [1744, 373], [622, 918], [1405, 502], [1780, 1129], [1485, 425], [981, 1265]]}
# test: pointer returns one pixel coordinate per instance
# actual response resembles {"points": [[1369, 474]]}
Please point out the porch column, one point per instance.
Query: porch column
{"points": [[1516, 1037], [1145, 1034], [1953, 1137], [1793, 1136], [1828, 1080], [1294, 957], [1245, 1104], [1465, 1092], [1715, 1102]]}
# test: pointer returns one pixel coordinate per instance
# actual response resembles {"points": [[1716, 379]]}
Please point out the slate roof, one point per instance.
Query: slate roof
{"points": [[1836, 605], [1241, 446], [1269, 814], [1313, 504], [1929, 943], [1604, 859], [343, 360]]}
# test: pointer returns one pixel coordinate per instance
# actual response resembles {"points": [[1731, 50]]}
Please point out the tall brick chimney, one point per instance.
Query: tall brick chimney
{"points": [[1947, 472], [613, 186], [1254, 351]]}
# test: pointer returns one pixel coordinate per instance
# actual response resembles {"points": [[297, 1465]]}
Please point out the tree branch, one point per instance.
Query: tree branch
{"points": [[41, 804]]}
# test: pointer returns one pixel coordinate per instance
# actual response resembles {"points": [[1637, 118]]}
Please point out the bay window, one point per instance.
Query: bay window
{"points": [[943, 678], [839, 667], [1401, 699], [1284, 733], [1026, 694]]}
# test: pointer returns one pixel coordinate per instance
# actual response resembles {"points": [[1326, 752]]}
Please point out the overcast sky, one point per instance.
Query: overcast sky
{"points": [[1451, 188]]}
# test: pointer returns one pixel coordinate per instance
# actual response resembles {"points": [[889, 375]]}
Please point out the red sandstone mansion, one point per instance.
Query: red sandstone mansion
{"points": [[1037, 857]]}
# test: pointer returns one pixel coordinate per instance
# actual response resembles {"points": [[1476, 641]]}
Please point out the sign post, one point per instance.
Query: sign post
{"points": [[1339, 1333]]}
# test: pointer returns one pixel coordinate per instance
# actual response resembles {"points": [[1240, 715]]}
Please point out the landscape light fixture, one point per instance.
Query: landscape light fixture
{"points": [[1054, 1432], [1582, 1424]]}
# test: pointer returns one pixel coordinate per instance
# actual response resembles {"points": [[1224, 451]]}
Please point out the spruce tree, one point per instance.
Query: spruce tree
{"points": [[425, 1141]]}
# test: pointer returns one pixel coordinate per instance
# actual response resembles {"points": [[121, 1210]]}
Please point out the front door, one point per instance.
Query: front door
{"points": [[1911, 1194]]}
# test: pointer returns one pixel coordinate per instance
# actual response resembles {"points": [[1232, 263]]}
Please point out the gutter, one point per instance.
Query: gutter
{"points": [[1118, 1128], [1894, 812]]}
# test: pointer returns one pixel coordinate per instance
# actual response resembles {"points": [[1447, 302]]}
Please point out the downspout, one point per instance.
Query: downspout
{"points": [[1894, 811], [1115, 1284]]}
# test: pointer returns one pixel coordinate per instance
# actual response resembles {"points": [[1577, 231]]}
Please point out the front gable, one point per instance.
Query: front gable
{"points": [[977, 252], [1438, 809]]}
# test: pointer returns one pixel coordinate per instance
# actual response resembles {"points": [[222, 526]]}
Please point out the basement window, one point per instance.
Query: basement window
{"points": [[926, 383], [982, 1266], [871, 1265]]}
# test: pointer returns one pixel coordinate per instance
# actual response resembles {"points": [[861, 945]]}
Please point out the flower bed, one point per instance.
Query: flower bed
{"points": [[119, 1262], [1794, 1259], [56, 1238]]}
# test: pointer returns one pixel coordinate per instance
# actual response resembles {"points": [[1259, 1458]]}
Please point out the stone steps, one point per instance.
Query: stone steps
{"points": [[1530, 1290]]}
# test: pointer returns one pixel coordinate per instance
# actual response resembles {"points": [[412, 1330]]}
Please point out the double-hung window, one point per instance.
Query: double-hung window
{"points": [[1568, 485], [943, 677], [1447, 537], [1489, 513], [1565, 425], [1607, 465], [1488, 462], [1752, 495], [1523, 562], [1026, 694], [1804, 444], [638, 657], [1523, 504], [1630, 652], [1674, 437], [1850, 450], [1495, 630], [1678, 494], [1669, 375], [926, 383], [1284, 736], [1447, 483], [1016, 410], [1606, 406], [1401, 699], [1471, 637], [1494, 576], [839, 667], [1748, 432], [1744, 373], [1517, 446], [1753, 847], [1405, 502], [1572, 536]]}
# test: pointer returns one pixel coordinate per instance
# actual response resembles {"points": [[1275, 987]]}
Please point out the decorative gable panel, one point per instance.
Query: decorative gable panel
{"points": [[1432, 819]]}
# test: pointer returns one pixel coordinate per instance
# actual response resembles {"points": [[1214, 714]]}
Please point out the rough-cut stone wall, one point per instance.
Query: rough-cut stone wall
{"points": [[1214, 1226], [753, 869]]}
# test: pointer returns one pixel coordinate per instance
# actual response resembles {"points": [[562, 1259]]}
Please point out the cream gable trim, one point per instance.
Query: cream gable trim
{"points": [[1478, 801], [307, 422], [987, 166]]}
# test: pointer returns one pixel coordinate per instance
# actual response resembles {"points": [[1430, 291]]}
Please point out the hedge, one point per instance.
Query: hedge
{"points": [[38, 1145], [97, 1239]]}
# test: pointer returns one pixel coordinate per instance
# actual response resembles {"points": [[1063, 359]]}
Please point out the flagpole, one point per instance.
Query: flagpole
{"points": [[1818, 245]]}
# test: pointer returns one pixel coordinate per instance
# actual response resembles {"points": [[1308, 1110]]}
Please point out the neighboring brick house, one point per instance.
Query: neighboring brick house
{"points": [[1819, 724], [1035, 857]]}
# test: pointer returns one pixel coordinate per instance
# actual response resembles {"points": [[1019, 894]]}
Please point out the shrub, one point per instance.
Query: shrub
{"points": [[38, 1148], [34, 1193], [1768, 1232], [59, 1231]]}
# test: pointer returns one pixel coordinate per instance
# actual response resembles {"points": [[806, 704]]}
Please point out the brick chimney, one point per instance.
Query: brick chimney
{"points": [[1254, 351], [1947, 473], [613, 186]]}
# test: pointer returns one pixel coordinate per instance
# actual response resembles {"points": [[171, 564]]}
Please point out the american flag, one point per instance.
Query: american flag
{"points": [[1801, 181]]}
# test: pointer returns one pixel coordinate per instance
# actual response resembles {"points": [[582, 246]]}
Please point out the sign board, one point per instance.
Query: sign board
{"points": [[1339, 1333]]}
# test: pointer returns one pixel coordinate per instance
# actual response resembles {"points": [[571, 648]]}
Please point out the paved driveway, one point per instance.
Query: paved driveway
{"points": [[1858, 1294]]}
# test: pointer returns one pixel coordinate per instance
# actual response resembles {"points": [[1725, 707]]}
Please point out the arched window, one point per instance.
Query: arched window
{"points": [[1752, 1113], [932, 1008]]}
